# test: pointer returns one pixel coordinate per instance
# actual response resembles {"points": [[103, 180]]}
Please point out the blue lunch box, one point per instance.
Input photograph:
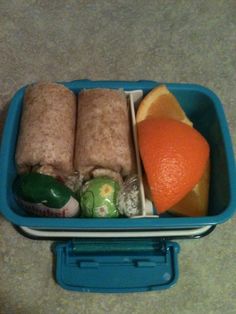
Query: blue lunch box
{"points": [[126, 255]]}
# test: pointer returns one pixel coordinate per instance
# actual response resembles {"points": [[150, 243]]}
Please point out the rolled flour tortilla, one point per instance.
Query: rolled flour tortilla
{"points": [[47, 129], [103, 138]]}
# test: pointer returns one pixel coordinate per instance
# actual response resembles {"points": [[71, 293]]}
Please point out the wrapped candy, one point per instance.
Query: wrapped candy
{"points": [[105, 197], [98, 198], [128, 201], [43, 195]]}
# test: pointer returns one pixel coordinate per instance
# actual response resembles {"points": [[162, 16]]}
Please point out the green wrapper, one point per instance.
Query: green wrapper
{"points": [[98, 198], [43, 195]]}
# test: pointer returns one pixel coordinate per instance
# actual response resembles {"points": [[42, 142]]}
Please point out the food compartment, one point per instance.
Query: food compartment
{"points": [[201, 110], [133, 97]]}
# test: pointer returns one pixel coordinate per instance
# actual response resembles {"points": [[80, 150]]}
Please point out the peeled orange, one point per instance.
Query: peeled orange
{"points": [[174, 157]]}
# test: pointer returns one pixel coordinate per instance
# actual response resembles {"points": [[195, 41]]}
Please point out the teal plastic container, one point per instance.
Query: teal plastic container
{"points": [[137, 263], [201, 105]]}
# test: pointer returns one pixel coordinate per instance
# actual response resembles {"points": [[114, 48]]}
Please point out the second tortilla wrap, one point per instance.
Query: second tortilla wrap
{"points": [[103, 139]]}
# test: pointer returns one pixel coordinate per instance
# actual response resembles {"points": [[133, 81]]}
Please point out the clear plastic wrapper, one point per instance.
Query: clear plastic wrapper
{"points": [[128, 201]]}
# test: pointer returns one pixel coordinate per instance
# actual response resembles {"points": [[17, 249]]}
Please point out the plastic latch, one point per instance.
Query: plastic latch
{"points": [[111, 265]]}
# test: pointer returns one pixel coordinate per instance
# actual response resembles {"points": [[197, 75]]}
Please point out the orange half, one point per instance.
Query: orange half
{"points": [[161, 103]]}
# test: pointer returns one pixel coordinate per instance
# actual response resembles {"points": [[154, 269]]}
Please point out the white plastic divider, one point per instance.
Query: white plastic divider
{"points": [[146, 205], [136, 96]]}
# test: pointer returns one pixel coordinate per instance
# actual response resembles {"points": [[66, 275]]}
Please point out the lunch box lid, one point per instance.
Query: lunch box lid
{"points": [[116, 265]]}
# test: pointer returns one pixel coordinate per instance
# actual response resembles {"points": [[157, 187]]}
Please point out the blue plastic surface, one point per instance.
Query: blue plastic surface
{"points": [[201, 105], [116, 265]]}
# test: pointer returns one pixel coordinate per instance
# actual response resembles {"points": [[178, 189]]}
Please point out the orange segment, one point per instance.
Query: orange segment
{"points": [[195, 203], [173, 164], [160, 103]]}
